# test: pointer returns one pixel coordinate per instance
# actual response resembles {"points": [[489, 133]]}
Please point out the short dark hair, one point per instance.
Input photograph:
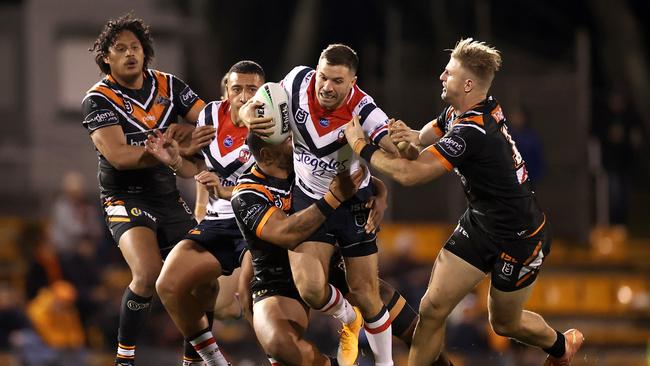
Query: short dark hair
{"points": [[112, 29], [248, 67], [256, 144], [340, 54]]}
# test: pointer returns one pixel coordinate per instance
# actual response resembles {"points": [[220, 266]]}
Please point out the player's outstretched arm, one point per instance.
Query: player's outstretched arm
{"points": [[406, 139], [212, 183], [167, 151], [289, 231], [111, 143], [407, 172]]}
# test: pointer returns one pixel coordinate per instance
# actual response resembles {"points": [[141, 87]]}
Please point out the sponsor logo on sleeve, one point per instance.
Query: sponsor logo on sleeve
{"points": [[101, 117], [250, 213], [188, 96], [453, 146]]}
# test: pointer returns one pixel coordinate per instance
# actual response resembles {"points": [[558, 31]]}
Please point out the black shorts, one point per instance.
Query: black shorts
{"points": [[168, 216], [273, 281], [337, 274], [514, 264], [345, 226], [223, 240]]}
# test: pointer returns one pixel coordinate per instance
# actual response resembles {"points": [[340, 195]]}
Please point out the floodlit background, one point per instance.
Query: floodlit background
{"points": [[575, 87]]}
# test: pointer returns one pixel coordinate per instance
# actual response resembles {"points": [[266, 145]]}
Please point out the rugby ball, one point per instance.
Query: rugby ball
{"points": [[276, 106]]}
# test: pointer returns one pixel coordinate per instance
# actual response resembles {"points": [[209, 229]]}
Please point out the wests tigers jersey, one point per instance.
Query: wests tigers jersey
{"points": [[158, 104], [227, 155], [478, 147], [255, 198], [320, 149]]}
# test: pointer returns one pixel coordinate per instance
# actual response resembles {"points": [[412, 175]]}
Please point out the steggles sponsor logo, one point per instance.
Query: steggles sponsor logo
{"points": [[320, 167]]}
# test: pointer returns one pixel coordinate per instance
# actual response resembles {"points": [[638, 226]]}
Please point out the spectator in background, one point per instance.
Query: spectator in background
{"points": [[72, 216], [618, 127], [82, 269], [528, 142], [43, 267], [56, 320]]}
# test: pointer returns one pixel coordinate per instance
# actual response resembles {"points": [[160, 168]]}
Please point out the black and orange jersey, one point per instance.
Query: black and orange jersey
{"points": [[254, 199], [156, 106], [477, 146]]}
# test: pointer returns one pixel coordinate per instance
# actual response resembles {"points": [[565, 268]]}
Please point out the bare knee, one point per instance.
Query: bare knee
{"points": [[505, 327], [366, 296], [278, 344], [168, 288], [144, 281], [433, 309], [313, 290]]}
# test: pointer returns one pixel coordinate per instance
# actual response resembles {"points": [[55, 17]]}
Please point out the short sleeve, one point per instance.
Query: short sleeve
{"points": [[459, 144], [373, 120], [252, 209], [184, 96], [98, 112]]}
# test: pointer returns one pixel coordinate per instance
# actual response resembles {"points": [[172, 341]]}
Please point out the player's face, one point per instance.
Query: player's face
{"points": [[125, 56], [239, 89], [333, 84], [453, 81]]}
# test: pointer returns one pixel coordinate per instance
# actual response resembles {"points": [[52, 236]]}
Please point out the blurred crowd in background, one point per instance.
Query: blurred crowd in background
{"points": [[62, 276]]}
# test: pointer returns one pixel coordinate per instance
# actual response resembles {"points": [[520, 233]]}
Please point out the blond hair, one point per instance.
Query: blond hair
{"points": [[480, 59]]}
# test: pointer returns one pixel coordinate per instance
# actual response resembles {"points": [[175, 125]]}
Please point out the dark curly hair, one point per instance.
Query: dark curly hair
{"points": [[112, 29]]}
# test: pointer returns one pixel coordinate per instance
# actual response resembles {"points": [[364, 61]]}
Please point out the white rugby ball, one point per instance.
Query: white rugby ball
{"points": [[276, 105]]}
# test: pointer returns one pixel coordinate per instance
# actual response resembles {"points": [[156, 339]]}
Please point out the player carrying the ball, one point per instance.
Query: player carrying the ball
{"points": [[321, 102]]}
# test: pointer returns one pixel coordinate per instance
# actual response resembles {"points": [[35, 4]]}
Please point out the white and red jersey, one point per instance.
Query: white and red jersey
{"points": [[320, 149], [227, 155]]}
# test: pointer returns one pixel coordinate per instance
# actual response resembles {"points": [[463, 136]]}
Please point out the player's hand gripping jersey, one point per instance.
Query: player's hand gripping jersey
{"points": [[320, 149], [227, 155], [478, 147], [157, 105]]}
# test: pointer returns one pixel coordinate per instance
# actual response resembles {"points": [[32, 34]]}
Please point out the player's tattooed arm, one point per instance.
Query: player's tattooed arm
{"points": [[289, 231]]}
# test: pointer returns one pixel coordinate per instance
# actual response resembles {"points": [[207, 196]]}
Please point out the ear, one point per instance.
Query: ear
{"points": [[105, 59], [469, 85], [267, 155], [354, 81]]}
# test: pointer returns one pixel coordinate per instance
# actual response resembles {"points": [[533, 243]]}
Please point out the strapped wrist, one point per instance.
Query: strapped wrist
{"points": [[328, 204], [358, 145], [367, 151], [177, 164]]}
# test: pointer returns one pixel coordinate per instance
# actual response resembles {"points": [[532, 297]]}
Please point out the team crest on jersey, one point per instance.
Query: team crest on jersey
{"points": [[301, 115], [341, 137], [324, 122], [162, 100], [228, 141], [128, 107], [507, 269], [244, 155], [277, 202]]}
